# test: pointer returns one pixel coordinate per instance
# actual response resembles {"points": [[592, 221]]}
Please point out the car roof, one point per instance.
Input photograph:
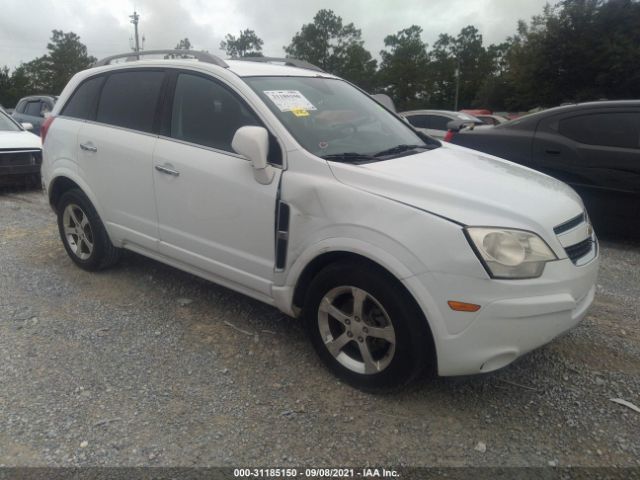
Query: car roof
{"points": [[450, 113], [258, 69], [239, 67], [39, 97], [527, 120]]}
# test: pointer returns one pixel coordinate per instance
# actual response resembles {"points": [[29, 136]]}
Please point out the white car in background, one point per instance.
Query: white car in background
{"points": [[435, 122], [20, 150], [288, 184]]}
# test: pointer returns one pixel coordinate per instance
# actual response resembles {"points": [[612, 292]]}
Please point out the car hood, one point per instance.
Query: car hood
{"points": [[20, 139], [468, 187]]}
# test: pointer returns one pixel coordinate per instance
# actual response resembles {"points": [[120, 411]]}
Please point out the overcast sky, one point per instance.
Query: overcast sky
{"points": [[103, 25]]}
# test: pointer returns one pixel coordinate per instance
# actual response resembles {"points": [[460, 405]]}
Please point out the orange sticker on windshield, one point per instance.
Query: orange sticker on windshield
{"points": [[300, 112]]}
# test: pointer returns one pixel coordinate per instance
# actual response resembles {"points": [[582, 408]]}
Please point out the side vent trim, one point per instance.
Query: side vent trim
{"points": [[282, 235]]}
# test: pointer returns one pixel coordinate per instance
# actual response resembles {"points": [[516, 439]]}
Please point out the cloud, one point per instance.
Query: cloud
{"points": [[104, 27]]}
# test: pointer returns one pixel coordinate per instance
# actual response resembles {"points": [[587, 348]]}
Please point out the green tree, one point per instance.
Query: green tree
{"points": [[184, 44], [442, 72], [67, 56], [6, 99], [404, 68], [247, 44], [335, 47], [577, 50]]}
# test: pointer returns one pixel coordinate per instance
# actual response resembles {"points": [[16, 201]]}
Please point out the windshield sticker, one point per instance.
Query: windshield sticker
{"points": [[290, 101], [300, 112]]}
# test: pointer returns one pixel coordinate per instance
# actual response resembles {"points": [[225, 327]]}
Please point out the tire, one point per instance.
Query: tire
{"points": [[391, 327], [83, 234]]}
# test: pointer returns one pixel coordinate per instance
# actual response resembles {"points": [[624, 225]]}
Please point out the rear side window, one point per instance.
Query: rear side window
{"points": [[438, 122], [620, 129], [82, 103], [206, 113], [418, 121], [130, 99]]}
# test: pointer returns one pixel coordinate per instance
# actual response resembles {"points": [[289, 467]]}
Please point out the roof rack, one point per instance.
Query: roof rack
{"points": [[133, 56], [292, 62]]}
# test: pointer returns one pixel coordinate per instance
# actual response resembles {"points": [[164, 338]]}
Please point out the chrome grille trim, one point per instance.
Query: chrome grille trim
{"points": [[569, 224]]}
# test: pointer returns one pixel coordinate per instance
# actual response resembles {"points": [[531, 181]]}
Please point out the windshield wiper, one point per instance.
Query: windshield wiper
{"points": [[349, 157], [399, 149]]}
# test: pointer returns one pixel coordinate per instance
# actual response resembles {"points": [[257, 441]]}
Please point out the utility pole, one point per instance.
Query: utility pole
{"points": [[455, 107], [134, 19]]}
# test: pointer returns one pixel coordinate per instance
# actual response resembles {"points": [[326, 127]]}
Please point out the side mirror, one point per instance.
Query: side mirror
{"points": [[253, 143], [27, 125]]}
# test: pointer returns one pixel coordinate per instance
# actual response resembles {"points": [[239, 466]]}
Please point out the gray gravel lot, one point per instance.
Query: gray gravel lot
{"points": [[138, 365]]}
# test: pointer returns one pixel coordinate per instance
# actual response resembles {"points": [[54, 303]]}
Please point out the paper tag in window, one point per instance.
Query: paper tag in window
{"points": [[290, 101], [300, 112]]}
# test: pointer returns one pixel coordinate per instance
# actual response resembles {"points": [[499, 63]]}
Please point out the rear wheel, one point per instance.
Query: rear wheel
{"points": [[366, 328], [83, 234]]}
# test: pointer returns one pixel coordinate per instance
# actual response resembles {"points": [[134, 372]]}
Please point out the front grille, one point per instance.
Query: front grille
{"points": [[569, 224], [578, 250], [18, 158]]}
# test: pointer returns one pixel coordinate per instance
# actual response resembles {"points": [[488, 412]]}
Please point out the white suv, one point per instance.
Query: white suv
{"points": [[294, 187]]}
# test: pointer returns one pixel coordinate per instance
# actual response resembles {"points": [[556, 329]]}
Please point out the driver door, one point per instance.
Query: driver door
{"points": [[212, 213]]}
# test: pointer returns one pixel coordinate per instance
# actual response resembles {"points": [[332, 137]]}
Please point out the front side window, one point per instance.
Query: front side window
{"points": [[616, 129], [82, 103], [206, 113], [130, 99], [330, 118], [438, 122], [419, 121]]}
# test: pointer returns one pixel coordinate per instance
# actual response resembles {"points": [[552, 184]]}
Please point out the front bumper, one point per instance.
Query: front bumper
{"points": [[516, 316]]}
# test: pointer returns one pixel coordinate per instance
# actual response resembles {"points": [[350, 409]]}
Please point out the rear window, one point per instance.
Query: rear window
{"points": [[619, 129], [130, 99], [33, 109], [82, 103]]}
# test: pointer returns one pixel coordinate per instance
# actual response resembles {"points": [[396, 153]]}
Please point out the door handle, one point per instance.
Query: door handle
{"points": [[88, 147], [167, 170], [551, 151]]}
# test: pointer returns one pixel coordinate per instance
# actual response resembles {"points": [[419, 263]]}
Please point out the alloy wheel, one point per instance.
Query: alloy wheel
{"points": [[356, 330]]}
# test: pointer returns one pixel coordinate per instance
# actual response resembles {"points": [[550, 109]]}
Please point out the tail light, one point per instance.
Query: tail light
{"points": [[44, 128], [449, 136]]}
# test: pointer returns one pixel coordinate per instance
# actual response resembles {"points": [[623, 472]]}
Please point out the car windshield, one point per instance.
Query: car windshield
{"points": [[334, 120], [7, 124]]}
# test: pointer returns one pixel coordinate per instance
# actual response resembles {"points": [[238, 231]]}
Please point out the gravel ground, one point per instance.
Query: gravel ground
{"points": [[145, 365]]}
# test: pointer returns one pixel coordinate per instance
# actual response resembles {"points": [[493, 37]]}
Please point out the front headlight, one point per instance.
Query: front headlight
{"points": [[508, 253]]}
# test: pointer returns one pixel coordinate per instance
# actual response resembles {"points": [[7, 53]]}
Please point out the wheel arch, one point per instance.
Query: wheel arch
{"points": [[64, 182], [326, 258]]}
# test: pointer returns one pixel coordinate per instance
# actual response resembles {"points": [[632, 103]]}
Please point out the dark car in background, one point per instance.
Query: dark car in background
{"points": [[33, 109], [594, 147]]}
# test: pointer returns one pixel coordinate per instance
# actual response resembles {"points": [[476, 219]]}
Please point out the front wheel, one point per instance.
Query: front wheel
{"points": [[366, 328], [83, 234]]}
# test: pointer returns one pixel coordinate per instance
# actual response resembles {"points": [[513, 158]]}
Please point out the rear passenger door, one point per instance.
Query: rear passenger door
{"points": [[213, 214], [597, 149], [115, 149]]}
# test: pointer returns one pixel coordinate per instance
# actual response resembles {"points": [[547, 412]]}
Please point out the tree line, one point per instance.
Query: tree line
{"points": [[577, 50]]}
